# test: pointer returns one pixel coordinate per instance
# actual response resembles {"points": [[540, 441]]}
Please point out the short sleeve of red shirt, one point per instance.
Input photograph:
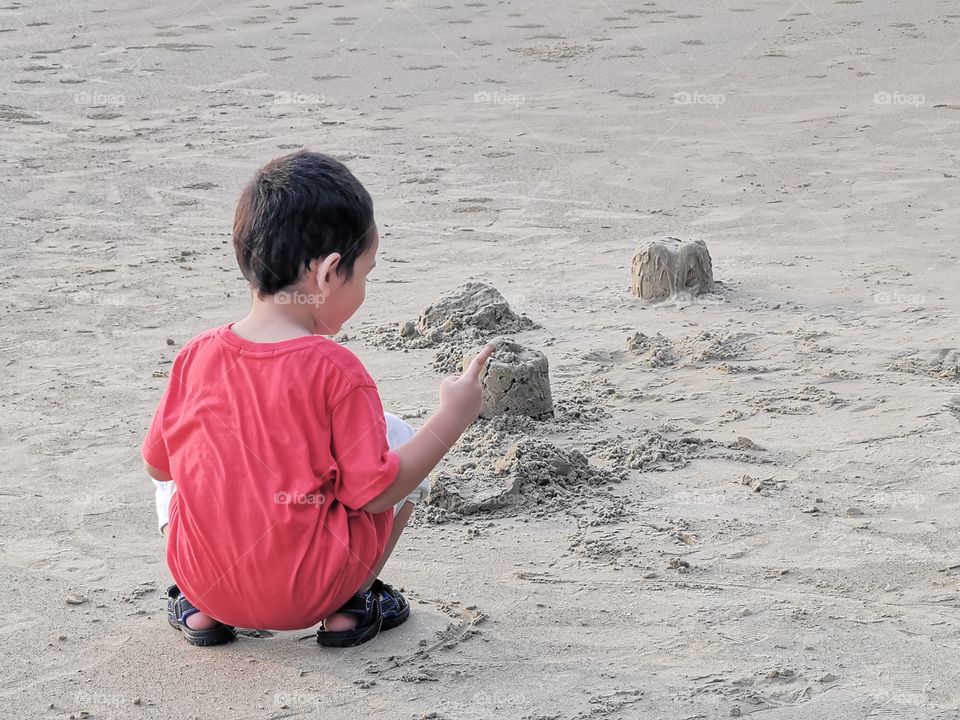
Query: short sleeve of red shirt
{"points": [[366, 465], [154, 450]]}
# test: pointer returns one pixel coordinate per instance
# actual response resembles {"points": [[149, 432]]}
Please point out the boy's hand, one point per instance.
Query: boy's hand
{"points": [[462, 396]]}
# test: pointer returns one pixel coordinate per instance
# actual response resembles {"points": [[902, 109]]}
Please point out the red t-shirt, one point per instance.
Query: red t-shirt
{"points": [[274, 447]]}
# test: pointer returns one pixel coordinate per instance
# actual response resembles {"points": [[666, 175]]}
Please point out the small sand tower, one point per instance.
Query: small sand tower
{"points": [[666, 267], [515, 381]]}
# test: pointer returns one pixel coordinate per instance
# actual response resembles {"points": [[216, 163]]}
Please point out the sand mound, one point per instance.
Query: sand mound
{"points": [[456, 321], [579, 407], [712, 345], [504, 470], [500, 467], [648, 450], [941, 364], [707, 346], [801, 401], [657, 351], [470, 307], [665, 449]]}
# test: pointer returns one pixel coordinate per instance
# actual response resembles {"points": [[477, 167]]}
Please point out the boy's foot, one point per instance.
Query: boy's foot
{"points": [[364, 615], [363, 610], [196, 627]]}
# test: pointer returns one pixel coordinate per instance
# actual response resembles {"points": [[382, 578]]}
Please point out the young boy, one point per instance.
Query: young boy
{"points": [[292, 485]]}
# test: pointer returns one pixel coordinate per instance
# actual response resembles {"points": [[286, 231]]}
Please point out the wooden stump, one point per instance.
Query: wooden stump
{"points": [[666, 267]]}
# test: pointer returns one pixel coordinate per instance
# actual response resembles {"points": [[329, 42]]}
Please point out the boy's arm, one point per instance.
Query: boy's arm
{"points": [[154, 449], [156, 473], [460, 400], [418, 456]]}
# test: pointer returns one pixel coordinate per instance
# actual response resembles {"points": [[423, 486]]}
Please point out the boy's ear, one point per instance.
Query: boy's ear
{"points": [[326, 269]]}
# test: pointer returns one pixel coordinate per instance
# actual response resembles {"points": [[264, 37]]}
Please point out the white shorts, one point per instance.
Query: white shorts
{"points": [[398, 432]]}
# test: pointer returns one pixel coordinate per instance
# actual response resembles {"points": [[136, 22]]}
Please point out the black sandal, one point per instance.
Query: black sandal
{"points": [[366, 607], [179, 609], [393, 606]]}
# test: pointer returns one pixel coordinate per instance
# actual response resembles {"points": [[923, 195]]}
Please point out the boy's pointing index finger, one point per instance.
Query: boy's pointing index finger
{"points": [[476, 365]]}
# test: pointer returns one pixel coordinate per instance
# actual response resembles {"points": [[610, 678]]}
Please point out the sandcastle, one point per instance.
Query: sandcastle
{"points": [[515, 381], [666, 267]]}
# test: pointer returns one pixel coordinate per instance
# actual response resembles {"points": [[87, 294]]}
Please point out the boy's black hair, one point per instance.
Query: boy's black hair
{"points": [[298, 208]]}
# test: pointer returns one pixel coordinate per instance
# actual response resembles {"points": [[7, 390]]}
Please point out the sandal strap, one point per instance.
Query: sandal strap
{"points": [[366, 607], [382, 588], [360, 604], [393, 597], [182, 607]]}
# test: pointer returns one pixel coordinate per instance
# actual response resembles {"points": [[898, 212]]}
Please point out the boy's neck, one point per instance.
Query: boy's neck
{"points": [[269, 322]]}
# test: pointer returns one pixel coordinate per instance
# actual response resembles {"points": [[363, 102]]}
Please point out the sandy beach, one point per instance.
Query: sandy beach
{"points": [[745, 501]]}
